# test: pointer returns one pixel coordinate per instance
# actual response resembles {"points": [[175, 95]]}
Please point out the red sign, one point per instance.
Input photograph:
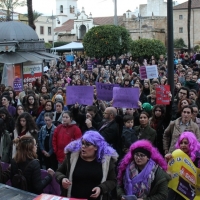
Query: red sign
{"points": [[162, 94]]}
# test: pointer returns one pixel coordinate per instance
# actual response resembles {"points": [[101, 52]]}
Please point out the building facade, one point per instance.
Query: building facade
{"points": [[180, 22]]}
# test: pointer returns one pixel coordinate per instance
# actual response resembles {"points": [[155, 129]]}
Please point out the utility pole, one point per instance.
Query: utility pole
{"points": [[115, 13]]}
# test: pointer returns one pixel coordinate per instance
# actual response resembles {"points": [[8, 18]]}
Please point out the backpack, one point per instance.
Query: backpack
{"points": [[19, 180]]}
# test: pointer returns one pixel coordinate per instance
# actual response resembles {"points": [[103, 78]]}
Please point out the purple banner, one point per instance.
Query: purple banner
{"points": [[79, 94], [125, 97], [18, 84], [53, 187], [105, 91], [143, 72]]}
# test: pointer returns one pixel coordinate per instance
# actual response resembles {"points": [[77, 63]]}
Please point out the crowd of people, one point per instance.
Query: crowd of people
{"points": [[99, 150]]}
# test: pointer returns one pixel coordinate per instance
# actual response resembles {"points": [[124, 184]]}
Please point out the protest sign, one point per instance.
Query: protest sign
{"points": [[89, 65], [149, 72], [125, 97], [162, 94], [79, 94], [69, 58], [18, 85], [185, 176], [53, 197], [105, 91]]}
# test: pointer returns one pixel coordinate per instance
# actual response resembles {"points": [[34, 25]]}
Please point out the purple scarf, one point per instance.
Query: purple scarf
{"points": [[139, 184]]}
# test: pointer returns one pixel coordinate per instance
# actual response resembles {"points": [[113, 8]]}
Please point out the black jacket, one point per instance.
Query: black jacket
{"points": [[32, 174]]}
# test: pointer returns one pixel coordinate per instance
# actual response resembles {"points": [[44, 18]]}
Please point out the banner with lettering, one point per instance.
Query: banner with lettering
{"points": [[185, 176], [162, 94], [125, 97], [105, 91], [32, 72], [80, 94], [148, 72]]}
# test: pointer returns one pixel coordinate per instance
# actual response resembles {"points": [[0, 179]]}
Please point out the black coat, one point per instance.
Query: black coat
{"points": [[32, 174]]}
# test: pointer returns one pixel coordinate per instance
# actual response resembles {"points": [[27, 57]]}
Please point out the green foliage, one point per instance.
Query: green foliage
{"points": [[106, 40], [48, 45], [147, 48], [179, 43], [197, 48], [58, 44], [35, 15]]}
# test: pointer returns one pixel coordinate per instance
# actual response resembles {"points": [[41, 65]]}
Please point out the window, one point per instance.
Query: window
{"points": [[49, 30], [180, 17], [181, 30], [61, 9], [41, 30]]}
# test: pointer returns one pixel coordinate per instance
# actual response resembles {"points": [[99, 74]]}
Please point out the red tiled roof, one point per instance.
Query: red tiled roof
{"points": [[195, 4], [69, 25]]}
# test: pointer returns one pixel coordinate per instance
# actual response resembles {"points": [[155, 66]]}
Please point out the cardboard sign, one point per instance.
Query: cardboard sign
{"points": [[162, 94], [185, 176], [89, 65], [125, 97], [105, 91], [79, 94], [148, 72], [18, 85]]}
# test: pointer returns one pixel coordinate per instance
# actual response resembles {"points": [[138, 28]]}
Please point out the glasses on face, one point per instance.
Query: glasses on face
{"points": [[106, 113], [86, 144], [139, 155], [182, 93]]}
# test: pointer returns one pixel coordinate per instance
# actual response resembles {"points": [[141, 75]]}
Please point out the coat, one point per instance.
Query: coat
{"points": [[148, 133], [42, 136], [172, 132], [32, 174], [62, 136], [159, 187], [6, 147], [108, 182]]}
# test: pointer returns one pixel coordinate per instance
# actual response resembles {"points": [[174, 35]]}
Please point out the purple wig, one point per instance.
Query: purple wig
{"points": [[145, 144], [194, 144], [97, 140]]}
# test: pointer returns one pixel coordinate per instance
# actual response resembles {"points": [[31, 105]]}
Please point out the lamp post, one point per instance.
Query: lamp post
{"points": [[115, 13]]}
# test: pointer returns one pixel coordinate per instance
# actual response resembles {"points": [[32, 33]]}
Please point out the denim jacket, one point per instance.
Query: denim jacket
{"points": [[42, 136]]}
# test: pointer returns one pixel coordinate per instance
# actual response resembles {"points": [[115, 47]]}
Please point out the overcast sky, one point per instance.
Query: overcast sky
{"points": [[98, 8]]}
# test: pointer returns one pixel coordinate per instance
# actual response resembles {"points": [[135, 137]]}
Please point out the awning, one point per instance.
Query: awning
{"points": [[21, 57]]}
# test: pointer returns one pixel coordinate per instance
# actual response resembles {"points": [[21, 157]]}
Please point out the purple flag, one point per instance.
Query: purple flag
{"points": [[79, 94], [105, 91], [18, 84], [125, 97]]}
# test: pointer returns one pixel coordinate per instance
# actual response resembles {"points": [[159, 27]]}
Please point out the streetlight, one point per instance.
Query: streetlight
{"points": [[115, 13]]}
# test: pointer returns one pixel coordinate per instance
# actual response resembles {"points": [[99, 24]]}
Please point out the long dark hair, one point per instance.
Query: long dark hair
{"points": [[5, 112], [30, 123], [162, 108]]}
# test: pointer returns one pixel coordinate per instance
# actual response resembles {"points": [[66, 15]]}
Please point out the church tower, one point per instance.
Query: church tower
{"points": [[157, 7], [65, 10]]}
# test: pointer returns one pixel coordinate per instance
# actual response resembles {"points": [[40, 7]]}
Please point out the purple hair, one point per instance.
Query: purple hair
{"points": [[96, 139], [194, 144], [145, 144]]}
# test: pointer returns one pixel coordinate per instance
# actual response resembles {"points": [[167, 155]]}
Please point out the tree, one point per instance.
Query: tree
{"points": [[30, 14], [188, 23], [35, 15], [10, 5], [179, 43], [197, 48], [147, 48], [106, 40]]}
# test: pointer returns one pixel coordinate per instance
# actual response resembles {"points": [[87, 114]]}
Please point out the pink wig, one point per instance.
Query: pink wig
{"points": [[145, 144], [194, 144]]}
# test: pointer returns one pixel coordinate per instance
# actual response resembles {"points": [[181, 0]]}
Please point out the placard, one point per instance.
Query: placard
{"points": [[105, 91], [89, 65], [148, 72], [162, 94], [185, 176], [53, 197], [18, 85], [32, 72], [79, 94], [125, 97], [69, 58]]}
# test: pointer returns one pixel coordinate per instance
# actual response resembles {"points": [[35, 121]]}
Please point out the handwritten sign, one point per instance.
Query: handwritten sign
{"points": [[105, 91], [162, 94], [185, 176], [79, 94], [148, 72], [125, 97]]}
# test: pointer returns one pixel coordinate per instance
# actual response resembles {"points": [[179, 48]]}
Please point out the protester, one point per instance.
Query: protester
{"points": [[64, 134], [26, 160], [91, 170], [141, 173]]}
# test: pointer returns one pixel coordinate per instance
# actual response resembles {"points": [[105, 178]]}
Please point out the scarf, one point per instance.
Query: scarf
{"points": [[139, 184]]}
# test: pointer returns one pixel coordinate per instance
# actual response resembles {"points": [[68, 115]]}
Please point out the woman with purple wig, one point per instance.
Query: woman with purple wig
{"points": [[188, 143], [141, 174], [88, 171]]}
